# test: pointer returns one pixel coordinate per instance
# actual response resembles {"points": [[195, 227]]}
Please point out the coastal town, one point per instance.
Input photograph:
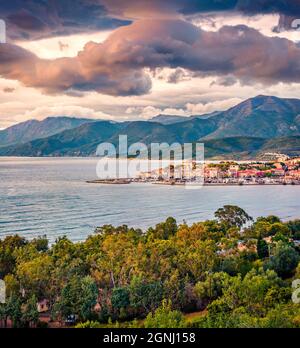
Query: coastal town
{"points": [[282, 170]]}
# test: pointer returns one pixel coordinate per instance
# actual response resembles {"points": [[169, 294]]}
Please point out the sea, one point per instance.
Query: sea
{"points": [[50, 196]]}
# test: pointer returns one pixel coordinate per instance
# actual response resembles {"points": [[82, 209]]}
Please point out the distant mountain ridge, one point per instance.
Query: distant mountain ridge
{"points": [[171, 119], [249, 148], [168, 119], [262, 116], [258, 124], [34, 129]]}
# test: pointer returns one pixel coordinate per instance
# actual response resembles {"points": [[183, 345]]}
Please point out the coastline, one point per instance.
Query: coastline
{"points": [[127, 182]]}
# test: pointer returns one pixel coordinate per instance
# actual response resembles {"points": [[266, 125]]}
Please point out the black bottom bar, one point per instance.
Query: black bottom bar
{"points": [[143, 337]]}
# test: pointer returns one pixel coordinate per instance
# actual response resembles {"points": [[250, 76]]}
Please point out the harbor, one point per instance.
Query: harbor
{"points": [[282, 171]]}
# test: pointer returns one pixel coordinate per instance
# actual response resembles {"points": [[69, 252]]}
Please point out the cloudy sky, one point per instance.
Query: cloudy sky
{"points": [[119, 59]]}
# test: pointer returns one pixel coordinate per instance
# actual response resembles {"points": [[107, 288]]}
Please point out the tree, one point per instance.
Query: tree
{"points": [[251, 293], [12, 285], [7, 258], [116, 258], [145, 296], [41, 243], [282, 316], [294, 227], [78, 297], [129, 274], [284, 261], [120, 298], [212, 287], [165, 317], [3, 315], [279, 228], [232, 216], [89, 296], [31, 314], [262, 248], [271, 219], [69, 300], [196, 259], [297, 275], [13, 310], [270, 226], [88, 325], [281, 237], [34, 275], [174, 289], [260, 228], [164, 230]]}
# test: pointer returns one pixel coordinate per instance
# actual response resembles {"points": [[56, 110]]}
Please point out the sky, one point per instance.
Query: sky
{"points": [[133, 60]]}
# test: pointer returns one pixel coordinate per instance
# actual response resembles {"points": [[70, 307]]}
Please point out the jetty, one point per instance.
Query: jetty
{"points": [[110, 181]]}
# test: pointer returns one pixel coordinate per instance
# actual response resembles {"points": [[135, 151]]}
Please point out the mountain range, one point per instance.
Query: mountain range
{"points": [[169, 119], [34, 129], [257, 125]]}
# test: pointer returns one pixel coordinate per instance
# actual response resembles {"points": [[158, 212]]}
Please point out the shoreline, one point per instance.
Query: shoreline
{"points": [[109, 182], [127, 182]]}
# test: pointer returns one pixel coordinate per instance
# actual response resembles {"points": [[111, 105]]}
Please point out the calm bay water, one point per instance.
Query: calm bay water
{"points": [[50, 196]]}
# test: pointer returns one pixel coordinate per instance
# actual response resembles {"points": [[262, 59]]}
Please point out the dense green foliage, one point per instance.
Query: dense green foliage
{"points": [[233, 272], [164, 317]]}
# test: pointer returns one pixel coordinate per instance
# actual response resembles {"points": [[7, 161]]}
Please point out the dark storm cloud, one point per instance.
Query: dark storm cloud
{"points": [[117, 66], [176, 76], [225, 81], [285, 23], [68, 75], [287, 9], [36, 19], [189, 7]]}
